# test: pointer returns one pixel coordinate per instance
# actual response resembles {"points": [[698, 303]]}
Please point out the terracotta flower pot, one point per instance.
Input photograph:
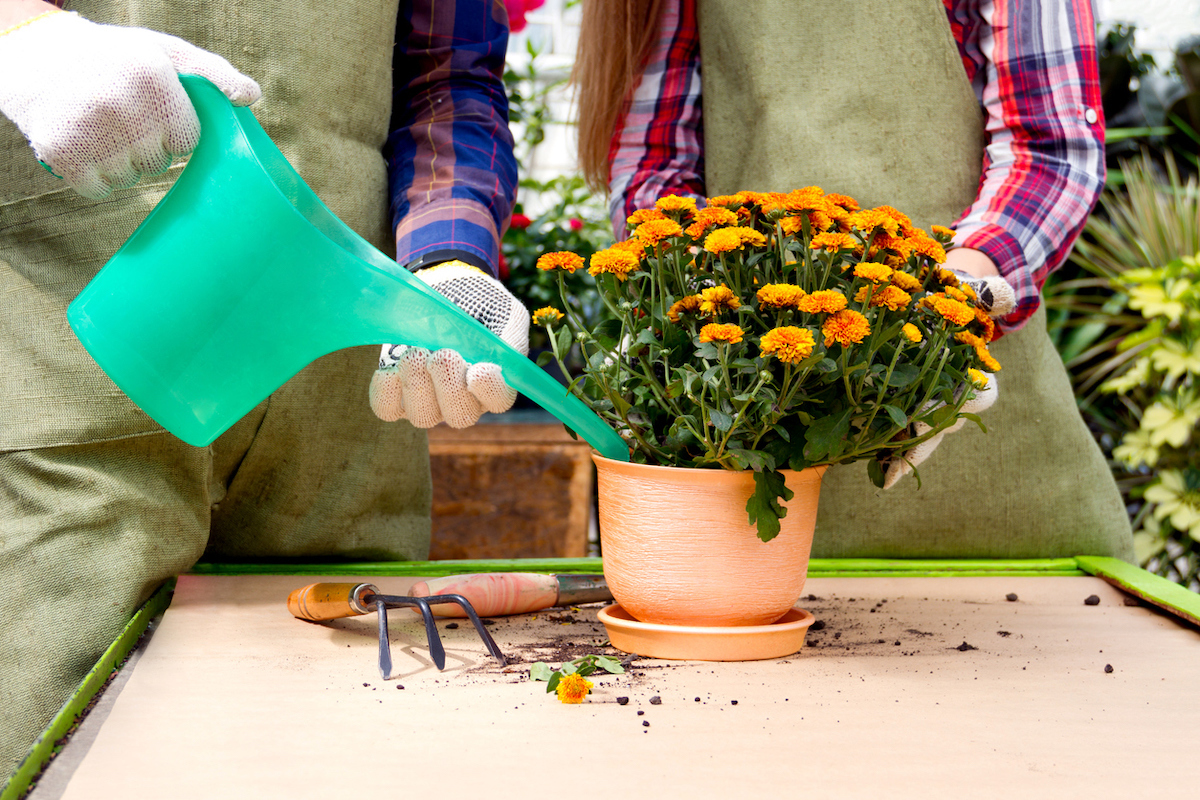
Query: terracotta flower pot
{"points": [[678, 548]]}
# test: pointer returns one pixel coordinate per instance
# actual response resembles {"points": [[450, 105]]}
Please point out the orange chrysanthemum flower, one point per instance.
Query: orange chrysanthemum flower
{"points": [[890, 296], [708, 217], [727, 239], [653, 231], [573, 688], [689, 304], [949, 309], [724, 200], [725, 334], [872, 219], [789, 344], [875, 273], [911, 332], [716, 299], [644, 215], [989, 327], [930, 248], [826, 301], [946, 277], [846, 327], [833, 242], [547, 316], [985, 358], [955, 293], [942, 231], [674, 202], [980, 379], [635, 246], [780, 295], [614, 261], [845, 201], [905, 281], [560, 260]]}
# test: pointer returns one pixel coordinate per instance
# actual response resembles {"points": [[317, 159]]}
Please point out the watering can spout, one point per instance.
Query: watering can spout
{"points": [[240, 277]]}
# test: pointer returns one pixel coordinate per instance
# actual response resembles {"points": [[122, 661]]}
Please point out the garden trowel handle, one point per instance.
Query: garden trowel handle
{"points": [[322, 601]]}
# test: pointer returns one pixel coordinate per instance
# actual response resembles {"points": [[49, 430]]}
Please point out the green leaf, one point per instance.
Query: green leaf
{"points": [[555, 677], [975, 418], [544, 358], [903, 375], [897, 416], [609, 665], [564, 339], [827, 366], [608, 333], [763, 507], [827, 437], [720, 420], [646, 336], [875, 472], [540, 671], [707, 350], [939, 417]]}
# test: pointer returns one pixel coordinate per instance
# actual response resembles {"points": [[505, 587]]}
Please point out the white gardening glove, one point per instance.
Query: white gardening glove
{"points": [[102, 105], [426, 388], [996, 297]]}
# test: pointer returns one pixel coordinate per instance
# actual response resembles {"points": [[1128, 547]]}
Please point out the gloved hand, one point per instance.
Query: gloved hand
{"points": [[102, 105], [996, 297], [426, 388]]}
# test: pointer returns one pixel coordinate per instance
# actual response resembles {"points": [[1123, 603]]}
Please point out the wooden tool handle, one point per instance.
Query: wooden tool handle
{"points": [[492, 594], [321, 601]]}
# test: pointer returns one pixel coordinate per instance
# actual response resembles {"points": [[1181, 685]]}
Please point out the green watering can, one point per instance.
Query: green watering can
{"points": [[240, 277]]}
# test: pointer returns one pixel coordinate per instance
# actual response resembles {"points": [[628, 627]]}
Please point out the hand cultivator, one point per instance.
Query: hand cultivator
{"points": [[325, 601]]}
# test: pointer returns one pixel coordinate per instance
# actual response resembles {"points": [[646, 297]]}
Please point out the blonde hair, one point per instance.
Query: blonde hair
{"points": [[615, 39]]}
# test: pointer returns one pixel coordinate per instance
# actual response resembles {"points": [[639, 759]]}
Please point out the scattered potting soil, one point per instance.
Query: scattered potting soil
{"points": [[964, 647], [1108, 668], [1092, 600], [656, 700], [1011, 597]]}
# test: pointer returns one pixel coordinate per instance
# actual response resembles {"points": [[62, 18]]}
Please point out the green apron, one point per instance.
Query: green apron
{"points": [[99, 504], [874, 103]]}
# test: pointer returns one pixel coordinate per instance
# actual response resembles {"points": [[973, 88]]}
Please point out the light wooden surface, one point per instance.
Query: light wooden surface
{"points": [[886, 701]]}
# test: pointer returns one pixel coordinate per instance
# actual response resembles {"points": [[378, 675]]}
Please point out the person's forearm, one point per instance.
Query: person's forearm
{"points": [[452, 173], [971, 261], [14, 12]]}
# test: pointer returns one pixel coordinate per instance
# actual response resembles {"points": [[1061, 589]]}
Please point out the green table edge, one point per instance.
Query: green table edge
{"points": [[43, 749], [1163, 593], [1172, 597]]}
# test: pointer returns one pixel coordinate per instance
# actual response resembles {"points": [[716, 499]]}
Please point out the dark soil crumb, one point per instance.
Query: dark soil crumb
{"points": [[733, 702], [656, 701], [563, 618], [1011, 597], [1108, 669], [1004, 633], [399, 685], [1092, 600], [896, 643], [622, 701], [813, 597], [916, 632], [488, 622], [366, 684], [964, 647], [645, 723], [697, 699], [819, 625], [452, 626], [1131, 601], [640, 712]]}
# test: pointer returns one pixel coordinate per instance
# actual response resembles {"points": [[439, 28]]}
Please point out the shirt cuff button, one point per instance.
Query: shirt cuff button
{"points": [[1090, 115]]}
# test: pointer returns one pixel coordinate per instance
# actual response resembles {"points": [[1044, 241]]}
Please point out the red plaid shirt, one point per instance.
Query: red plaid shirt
{"points": [[1033, 66]]}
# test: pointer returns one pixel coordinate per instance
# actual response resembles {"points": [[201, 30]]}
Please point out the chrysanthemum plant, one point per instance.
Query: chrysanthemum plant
{"points": [[775, 331]]}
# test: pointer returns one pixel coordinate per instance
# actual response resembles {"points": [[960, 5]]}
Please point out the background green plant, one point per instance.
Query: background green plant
{"points": [[1147, 217]]}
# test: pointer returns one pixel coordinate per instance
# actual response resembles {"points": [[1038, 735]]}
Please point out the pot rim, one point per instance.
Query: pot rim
{"points": [[626, 465]]}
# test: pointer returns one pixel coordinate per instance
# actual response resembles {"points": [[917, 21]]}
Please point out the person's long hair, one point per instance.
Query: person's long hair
{"points": [[615, 38]]}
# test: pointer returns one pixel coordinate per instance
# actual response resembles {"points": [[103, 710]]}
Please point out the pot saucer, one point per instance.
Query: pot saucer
{"points": [[781, 638]]}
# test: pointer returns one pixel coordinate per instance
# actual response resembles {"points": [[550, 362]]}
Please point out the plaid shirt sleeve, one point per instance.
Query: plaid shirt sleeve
{"points": [[657, 147], [451, 171], [1033, 66]]}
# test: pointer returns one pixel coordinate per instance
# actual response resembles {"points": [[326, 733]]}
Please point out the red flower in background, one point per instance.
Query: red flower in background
{"points": [[520, 222], [517, 10], [502, 268], [575, 223]]}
